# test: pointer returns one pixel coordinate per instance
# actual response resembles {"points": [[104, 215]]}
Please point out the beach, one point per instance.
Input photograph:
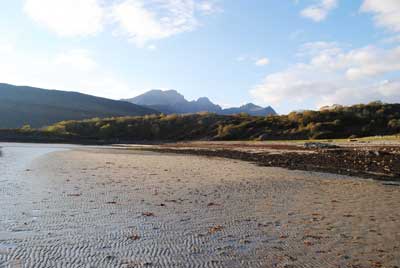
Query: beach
{"points": [[116, 207]]}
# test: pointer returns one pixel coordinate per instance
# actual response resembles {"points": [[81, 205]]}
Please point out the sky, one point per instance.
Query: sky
{"points": [[291, 54]]}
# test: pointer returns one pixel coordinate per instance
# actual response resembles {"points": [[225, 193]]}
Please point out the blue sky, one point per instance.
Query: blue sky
{"points": [[289, 54]]}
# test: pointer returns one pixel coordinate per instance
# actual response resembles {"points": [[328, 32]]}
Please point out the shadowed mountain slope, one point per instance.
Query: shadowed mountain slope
{"points": [[20, 105]]}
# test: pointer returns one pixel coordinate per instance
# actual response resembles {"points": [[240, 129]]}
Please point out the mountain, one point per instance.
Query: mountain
{"points": [[157, 97], [251, 109], [20, 105], [171, 101]]}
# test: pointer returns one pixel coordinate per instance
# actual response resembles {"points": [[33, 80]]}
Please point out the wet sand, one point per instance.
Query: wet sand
{"points": [[379, 160], [118, 208]]}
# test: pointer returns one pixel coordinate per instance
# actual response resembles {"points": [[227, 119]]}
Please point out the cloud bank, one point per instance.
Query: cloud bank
{"points": [[386, 13], [331, 74]]}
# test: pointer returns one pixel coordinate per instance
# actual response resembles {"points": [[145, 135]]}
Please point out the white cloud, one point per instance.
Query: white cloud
{"points": [[320, 11], [385, 90], [143, 21], [319, 48], [262, 61], [67, 17], [140, 21], [386, 13], [208, 7], [370, 62], [392, 39], [333, 75]]}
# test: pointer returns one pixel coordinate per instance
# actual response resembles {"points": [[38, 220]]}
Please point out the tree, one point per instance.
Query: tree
{"points": [[106, 131], [394, 124], [26, 127]]}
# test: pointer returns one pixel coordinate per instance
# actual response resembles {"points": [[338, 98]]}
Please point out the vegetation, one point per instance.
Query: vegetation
{"points": [[340, 122]]}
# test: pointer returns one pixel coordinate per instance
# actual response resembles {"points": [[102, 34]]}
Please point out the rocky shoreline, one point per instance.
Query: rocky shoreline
{"points": [[374, 162]]}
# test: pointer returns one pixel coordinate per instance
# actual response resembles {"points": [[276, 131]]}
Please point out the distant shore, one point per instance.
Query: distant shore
{"points": [[375, 160]]}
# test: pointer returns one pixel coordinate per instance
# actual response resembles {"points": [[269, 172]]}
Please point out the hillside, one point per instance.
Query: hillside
{"points": [[20, 105], [344, 122], [171, 101]]}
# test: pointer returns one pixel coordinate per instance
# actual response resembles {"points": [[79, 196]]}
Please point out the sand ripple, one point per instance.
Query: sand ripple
{"points": [[110, 208]]}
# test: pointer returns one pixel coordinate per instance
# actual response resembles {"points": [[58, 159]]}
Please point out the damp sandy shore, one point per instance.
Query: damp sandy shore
{"points": [[116, 208]]}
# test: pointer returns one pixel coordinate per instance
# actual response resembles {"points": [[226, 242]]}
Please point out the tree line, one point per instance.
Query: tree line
{"points": [[361, 120]]}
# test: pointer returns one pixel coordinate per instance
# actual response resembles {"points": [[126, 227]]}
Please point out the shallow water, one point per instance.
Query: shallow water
{"points": [[17, 155], [15, 189], [14, 168]]}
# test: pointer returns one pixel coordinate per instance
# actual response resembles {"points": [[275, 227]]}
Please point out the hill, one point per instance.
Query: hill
{"points": [[20, 105], [171, 101], [343, 122]]}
